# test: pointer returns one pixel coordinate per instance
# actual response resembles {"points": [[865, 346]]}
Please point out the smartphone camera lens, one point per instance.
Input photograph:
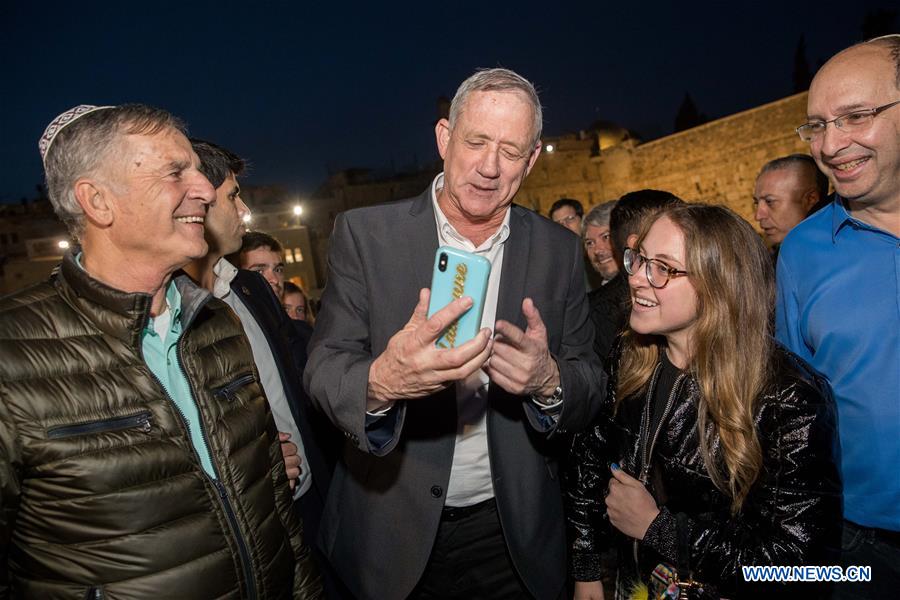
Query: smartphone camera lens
{"points": [[442, 262]]}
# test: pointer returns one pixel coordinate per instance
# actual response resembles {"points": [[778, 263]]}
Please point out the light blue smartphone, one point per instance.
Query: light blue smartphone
{"points": [[458, 273]]}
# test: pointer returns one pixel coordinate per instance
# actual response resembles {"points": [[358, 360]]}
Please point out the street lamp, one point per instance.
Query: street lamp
{"points": [[298, 210], [63, 244]]}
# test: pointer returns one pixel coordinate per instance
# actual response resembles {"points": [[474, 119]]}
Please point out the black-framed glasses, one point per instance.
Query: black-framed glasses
{"points": [[658, 273], [852, 121]]}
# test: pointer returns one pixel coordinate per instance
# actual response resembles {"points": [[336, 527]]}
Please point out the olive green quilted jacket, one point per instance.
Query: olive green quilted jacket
{"points": [[102, 493]]}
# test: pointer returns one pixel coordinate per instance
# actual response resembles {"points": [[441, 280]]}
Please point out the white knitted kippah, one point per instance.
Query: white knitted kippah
{"points": [[57, 125]]}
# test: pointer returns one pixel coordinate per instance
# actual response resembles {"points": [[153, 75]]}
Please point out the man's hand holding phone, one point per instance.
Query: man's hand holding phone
{"points": [[411, 366]]}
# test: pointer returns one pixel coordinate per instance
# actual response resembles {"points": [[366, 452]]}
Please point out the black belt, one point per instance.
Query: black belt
{"points": [[455, 513]]}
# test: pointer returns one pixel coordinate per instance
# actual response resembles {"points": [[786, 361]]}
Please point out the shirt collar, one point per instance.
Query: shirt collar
{"points": [[841, 217], [447, 232], [173, 304], [225, 273]]}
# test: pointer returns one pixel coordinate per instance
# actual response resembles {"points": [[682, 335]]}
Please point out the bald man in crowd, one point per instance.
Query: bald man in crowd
{"points": [[839, 294]]}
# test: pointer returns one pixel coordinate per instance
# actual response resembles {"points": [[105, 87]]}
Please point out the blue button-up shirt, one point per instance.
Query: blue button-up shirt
{"points": [[839, 308]]}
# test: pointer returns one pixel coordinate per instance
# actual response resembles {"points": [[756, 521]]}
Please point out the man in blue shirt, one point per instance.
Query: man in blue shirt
{"points": [[838, 294]]}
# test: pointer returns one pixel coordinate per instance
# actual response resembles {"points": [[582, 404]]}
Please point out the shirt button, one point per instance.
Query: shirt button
{"points": [[436, 491]]}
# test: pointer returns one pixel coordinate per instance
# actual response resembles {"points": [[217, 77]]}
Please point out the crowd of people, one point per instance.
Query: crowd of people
{"points": [[658, 398]]}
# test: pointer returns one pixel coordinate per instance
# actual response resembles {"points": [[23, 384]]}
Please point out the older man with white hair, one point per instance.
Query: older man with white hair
{"points": [[138, 457], [448, 485]]}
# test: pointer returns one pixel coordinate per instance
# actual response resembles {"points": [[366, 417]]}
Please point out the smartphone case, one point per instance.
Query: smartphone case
{"points": [[466, 274]]}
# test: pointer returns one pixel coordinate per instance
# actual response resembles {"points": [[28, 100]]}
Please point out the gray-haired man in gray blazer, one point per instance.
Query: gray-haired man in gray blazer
{"points": [[448, 485]]}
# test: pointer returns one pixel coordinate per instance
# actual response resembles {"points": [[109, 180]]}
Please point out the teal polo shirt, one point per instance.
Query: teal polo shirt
{"points": [[161, 356]]}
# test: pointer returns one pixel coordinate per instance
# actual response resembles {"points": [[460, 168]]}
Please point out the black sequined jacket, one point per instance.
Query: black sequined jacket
{"points": [[792, 515]]}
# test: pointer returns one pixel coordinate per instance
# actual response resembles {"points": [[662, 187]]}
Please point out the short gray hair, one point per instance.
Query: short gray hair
{"points": [[84, 145], [498, 80], [597, 216]]}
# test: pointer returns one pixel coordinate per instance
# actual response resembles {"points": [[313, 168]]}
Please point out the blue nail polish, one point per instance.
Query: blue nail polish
{"points": [[614, 466]]}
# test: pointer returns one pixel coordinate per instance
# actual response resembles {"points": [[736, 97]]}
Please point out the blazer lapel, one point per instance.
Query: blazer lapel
{"points": [[515, 269], [420, 233]]}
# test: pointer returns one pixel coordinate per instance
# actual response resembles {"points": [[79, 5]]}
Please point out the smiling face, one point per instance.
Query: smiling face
{"points": [[598, 247], [159, 200], [487, 155], [225, 218], [671, 311], [782, 198], [864, 165]]}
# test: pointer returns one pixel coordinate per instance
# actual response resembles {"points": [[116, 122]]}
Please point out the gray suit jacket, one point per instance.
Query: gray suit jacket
{"points": [[385, 502]]}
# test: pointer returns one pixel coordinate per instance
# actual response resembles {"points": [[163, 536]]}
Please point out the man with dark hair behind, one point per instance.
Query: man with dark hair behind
{"points": [[788, 189], [279, 354], [610, 304], [568, 213], [264, 254]]}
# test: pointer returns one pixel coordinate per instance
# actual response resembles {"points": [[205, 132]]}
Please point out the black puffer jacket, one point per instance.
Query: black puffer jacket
{"points": [[102, 493], [791, 516]]}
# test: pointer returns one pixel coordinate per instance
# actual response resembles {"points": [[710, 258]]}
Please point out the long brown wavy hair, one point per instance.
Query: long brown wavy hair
{"points": [[732, 273]]}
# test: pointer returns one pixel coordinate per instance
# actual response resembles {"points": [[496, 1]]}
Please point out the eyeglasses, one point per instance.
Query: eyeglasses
{"points": [[566, 220], [852, 121], [658, 273]]}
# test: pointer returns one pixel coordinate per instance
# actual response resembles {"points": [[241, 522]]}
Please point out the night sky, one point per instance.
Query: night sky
{"points": [[299, 88]]}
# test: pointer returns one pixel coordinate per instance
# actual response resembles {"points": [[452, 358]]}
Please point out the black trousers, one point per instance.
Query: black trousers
{"points": [[861, 546], [469, 559]]}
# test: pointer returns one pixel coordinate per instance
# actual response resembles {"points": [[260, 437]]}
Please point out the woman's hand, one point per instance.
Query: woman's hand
{"points": [[588, 590], [630, 506]]}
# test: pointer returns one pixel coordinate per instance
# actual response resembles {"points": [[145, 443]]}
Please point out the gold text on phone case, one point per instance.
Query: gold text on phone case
{"points": [[459, 287]]}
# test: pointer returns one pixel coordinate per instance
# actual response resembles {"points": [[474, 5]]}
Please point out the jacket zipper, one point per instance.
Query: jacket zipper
{"points": [[647, 453], [246, 563], [222, 493], [227, 391], [141, 420], [95, 592]]}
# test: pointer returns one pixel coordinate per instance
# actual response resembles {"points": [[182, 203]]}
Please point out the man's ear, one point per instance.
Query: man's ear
{"points": [[442, 135], [809, 200], [94, 200]]}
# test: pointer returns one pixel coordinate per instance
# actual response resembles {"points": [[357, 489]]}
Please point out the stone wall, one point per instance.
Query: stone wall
{"points": [[716, 162]]}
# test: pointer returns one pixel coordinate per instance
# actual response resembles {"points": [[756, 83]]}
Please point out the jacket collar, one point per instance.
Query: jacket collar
{"points": [[121, 315]]}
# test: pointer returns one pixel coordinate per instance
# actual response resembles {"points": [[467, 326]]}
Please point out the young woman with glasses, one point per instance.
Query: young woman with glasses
{"points": [[717, 448]]}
